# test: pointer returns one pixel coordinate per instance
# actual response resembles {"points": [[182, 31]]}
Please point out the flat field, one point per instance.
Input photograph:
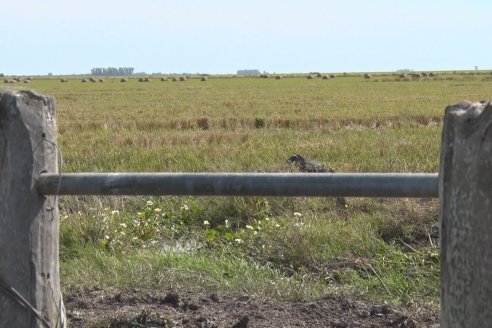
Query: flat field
{"points": [[276, 249], [251, 124]]}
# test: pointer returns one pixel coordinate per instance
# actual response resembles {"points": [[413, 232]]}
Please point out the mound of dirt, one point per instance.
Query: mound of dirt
{"points": [[173, 309]]}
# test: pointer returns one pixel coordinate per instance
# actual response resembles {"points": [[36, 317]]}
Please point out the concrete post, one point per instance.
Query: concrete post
{"points": [[29, 275], [465, 188]]}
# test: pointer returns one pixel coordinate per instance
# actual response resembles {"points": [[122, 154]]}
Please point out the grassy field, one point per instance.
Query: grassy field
{"points": [[282, 248]]}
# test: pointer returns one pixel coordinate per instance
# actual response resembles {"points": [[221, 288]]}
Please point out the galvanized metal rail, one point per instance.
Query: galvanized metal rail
{"points": [[242, 184]]}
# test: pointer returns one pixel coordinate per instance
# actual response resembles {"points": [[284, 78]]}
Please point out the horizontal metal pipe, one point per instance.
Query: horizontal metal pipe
{"points": [[242, 184]]}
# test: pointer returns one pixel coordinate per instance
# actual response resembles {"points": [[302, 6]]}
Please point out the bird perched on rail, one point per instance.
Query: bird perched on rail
{"points": [[310, 166]]}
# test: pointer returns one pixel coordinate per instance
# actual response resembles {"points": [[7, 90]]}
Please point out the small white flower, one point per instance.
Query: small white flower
{"points": [[255, 232], [184, 207], [106, 237], [150, 203], [267, 219], [157, 209], [277, 225], [113, 212], [226, 223], [249, 227], [239, 241], [297, 214], [206, 223]]}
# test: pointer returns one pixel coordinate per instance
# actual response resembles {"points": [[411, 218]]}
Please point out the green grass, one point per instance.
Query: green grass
{"points": [[378, 248], [368, 251]]}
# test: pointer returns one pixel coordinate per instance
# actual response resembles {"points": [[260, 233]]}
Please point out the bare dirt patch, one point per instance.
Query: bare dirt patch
{"points": [[183, 309]]}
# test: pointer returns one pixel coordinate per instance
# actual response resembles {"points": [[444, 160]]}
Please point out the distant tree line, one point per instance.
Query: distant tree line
{"points": [[112, 71]]}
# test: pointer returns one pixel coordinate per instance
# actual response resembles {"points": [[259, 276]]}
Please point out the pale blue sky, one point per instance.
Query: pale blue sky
{"points": [[222, 36]]}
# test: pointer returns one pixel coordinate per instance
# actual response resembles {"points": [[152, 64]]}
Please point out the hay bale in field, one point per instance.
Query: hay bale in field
{"points": [[204, 79], [17, 79], [12, 81], [101, 80], [147, 79], [163, 79], [28, 78], [5, 81], [424, 74], [264, 76], [140, 80], [124, 80], [182, 78], [63, 80], [278, 77], [175, 79], [309, 77], [84, 80], [402, 76], [432, 74], [27, 81], [92, 80], [416, 76], [332, 76], [367, 76], [325, 77], [318, 74]]}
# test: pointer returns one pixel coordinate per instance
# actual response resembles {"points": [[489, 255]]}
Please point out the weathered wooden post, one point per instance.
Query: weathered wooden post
{"points": [[29, 275], [465, 187]]}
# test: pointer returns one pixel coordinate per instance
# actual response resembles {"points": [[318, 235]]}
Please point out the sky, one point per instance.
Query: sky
{"points": [[222, 36]]}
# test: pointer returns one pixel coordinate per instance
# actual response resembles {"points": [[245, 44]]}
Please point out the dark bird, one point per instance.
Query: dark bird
{"points": [[308, 165]]}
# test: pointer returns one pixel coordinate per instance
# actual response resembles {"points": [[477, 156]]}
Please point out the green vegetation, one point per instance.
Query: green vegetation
{"points": [[285, 248]]}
